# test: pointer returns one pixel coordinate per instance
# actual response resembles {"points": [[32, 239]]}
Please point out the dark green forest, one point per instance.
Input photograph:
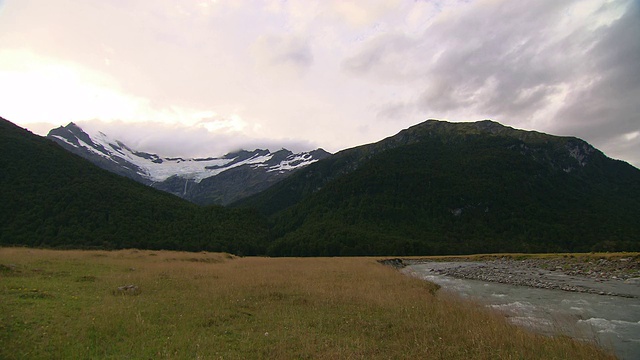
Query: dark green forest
{"points": [[51, 198], [435, 188], [456, 189]]}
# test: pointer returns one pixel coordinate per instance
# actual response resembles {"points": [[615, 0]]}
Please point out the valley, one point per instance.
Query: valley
{"points": [[297, 179], [436, 188]]}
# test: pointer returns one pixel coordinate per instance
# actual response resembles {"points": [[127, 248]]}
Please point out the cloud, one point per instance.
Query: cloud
{"points": [[611, 85], [360, 14], [175, 139], [385, 56], [283, 52], [495, 59], [605, 108], [62, 89], [334, 73], [564, 67]]}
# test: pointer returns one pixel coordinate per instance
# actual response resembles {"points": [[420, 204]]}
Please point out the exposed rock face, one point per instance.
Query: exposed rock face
{"points": [[580, 152]]}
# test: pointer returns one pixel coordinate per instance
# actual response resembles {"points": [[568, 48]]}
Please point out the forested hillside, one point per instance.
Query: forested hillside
{"points": [[51, 198], [435, 188], [444, 188]]}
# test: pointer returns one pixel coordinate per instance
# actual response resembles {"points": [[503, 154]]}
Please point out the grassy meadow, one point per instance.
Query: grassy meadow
{"points": [[66, 305]]}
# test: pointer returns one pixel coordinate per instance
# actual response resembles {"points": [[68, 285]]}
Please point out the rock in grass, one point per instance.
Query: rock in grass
{"points": [[127, 290], [7, 268]]}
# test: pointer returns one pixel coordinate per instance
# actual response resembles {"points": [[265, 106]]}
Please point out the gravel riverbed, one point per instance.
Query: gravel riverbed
{"points": [[618, 276]]}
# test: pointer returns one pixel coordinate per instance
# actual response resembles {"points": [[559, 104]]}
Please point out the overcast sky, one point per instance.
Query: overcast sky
{"points": [[195, 78]]}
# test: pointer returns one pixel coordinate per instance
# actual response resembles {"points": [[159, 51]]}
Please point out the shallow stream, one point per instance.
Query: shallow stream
{"points": [[612, 321]]}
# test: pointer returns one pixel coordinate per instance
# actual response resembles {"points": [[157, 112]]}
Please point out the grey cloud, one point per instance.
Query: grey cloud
{"points": [[284, 51], [380, 55], [394, 111], [614, 89], [501, 61], [496, 59], [608, 107]]}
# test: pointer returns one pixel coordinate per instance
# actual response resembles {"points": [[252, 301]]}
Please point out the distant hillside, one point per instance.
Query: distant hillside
{"points": [[50, 197], [445, 188], [204, 181]]}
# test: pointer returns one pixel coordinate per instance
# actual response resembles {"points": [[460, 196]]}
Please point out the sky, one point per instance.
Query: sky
{"points": [[205, 77]]}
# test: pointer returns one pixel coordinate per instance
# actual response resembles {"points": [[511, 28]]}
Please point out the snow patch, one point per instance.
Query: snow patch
{"points": [[295, 162], [158, 169], [63, 139]]}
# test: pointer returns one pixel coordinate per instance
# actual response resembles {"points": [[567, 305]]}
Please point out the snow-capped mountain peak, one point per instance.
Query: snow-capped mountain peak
{"points": [[154, 170]]}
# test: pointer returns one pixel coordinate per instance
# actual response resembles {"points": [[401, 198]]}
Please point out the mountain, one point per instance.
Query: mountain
{"points": [[202, 181], [435, 188], [456, 188], [52, 198]]}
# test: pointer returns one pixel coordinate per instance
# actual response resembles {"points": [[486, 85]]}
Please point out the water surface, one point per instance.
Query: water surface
{"points": [[612, 321]]}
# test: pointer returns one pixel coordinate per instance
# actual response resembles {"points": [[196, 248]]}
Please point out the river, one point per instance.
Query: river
{"points": [[613, 322]]}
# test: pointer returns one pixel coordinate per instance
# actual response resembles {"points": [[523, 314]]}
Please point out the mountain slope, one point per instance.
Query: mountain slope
{"points": [[50, 197], [443, 187], [202, 180]]}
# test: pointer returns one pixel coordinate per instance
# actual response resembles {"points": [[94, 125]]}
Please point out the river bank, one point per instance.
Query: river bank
{"points": [[598, 309], [613, 275]]}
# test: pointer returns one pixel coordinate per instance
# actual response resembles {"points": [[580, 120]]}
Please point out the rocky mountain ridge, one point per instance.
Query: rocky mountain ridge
{"points": [[211, 180]]}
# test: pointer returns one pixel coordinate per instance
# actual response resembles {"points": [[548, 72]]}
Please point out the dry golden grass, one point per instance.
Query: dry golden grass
{"points": [[65, 304]]}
